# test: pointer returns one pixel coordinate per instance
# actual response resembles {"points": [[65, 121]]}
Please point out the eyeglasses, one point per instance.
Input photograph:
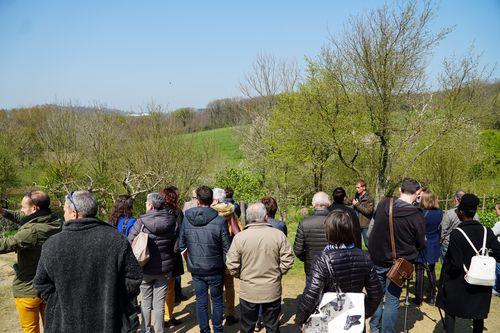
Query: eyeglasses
{"points": [[70, 199]]}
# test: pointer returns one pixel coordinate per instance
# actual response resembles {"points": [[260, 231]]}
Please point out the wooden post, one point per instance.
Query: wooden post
{"points": [[446, 203], [243, 216]]}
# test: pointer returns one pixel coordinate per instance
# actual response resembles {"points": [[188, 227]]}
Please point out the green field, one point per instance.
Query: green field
{"points": [[226, 142]]}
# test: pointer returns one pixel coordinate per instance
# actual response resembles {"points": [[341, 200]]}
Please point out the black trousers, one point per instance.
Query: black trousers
{"points": [[250, 313], [449, 320], [419, 281]]}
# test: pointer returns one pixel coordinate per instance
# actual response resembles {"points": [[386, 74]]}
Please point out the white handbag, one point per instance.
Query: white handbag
{"points": [[338, 312], [140, 247], [481, 271]]}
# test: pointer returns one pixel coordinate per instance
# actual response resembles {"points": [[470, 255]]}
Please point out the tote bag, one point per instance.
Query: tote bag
{"points": [[338, 312], [140, 247]]}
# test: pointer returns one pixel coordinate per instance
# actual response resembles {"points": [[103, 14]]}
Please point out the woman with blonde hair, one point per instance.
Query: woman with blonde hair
{"points": [[428, 257]]}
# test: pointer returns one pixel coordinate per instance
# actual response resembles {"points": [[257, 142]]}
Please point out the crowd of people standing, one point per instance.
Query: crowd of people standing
{"points": [[81, 274]]}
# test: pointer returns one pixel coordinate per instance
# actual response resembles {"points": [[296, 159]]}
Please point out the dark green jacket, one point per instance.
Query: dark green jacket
{"points": [[27, 243]]}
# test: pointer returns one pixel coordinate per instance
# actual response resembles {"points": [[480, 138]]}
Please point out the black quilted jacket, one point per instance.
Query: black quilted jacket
{"points": [[310, 239], [353, 270]]}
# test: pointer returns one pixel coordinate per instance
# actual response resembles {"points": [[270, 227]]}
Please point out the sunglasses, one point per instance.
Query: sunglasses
{"points": [[70, 199]]}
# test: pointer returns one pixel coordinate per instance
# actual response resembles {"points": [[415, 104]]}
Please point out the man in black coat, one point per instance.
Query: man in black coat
{"points": [[339, 197], [310, 238], [409, 234], [455, 296], [204, 241], [87, 274]]}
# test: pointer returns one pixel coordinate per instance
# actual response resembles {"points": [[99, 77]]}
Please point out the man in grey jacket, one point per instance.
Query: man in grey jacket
{"points": [[451, 221]]}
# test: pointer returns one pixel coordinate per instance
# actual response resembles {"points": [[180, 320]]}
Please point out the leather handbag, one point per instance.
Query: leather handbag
{"points": [[402, 269]]}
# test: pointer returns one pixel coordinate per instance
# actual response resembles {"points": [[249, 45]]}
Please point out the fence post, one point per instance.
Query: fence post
{"points": [[446, 203], [243, 216]]}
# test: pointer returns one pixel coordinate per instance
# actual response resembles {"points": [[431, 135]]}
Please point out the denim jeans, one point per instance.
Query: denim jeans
{"points": [[364, 233], [384, 319], [497, 282], [444, 249], [201, 285]]}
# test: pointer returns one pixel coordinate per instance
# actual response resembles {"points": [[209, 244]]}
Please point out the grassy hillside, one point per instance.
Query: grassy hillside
{"points": [[226, 142]]}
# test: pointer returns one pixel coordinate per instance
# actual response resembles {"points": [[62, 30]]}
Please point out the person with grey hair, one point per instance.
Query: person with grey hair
{"points": [[160, 223], [310, 238], [450, 221], [87, 274], [227, 210], [259, 256]]}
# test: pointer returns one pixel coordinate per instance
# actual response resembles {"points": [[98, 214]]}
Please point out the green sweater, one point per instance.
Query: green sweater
{"points": [[27, 243]]}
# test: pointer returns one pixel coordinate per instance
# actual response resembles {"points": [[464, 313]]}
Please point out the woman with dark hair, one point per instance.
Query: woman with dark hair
{"points": [[351, 267], [171, 203], [121, 217], [271, 209], [121, 214], [433, 216]]}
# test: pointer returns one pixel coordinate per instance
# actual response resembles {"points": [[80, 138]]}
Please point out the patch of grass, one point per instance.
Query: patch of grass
{"points": [[226, 141], [9, 233]]}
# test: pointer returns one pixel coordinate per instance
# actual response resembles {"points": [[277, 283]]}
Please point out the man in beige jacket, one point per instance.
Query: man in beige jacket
{"points": [[259, 256]]}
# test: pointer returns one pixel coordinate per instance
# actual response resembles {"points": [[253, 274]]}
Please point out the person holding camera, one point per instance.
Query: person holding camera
{"points": [[36, 224]]}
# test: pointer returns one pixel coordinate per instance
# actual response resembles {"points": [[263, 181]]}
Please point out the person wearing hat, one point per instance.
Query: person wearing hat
{"points": [[455, 296]]}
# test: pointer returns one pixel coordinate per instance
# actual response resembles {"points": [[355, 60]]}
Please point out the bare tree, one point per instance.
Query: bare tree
{"points": [[377, 69]]}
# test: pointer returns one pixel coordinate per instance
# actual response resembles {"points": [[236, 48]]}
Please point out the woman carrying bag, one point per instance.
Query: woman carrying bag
{"points": [[340, 267], [461, 291]]}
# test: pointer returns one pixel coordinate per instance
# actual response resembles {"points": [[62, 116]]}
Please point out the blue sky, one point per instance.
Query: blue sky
{"points": [[125, 54]]}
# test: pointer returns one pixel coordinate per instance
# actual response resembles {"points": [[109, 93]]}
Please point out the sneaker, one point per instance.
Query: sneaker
{"points": [[259, 326], [231, 320], [496, 293], [172, 323]]}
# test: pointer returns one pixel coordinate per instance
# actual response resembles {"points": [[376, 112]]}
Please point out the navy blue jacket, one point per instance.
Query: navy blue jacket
{"points": [[278, 224], [205, 236]]}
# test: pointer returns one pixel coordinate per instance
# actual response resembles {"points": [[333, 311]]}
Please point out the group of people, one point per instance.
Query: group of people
{"points": [[82, 275]]}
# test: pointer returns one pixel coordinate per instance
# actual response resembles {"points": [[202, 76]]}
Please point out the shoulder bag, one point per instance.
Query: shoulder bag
{"points": [[401, 269]]}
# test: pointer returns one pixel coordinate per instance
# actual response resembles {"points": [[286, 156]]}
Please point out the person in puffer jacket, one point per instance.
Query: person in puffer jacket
{"points": [[160, 223], [351, 267], [204, 242]]}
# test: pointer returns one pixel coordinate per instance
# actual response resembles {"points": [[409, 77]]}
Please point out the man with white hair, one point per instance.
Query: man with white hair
{"points": [[87, 274], [227, 210], [450, 221], [311, 238], [259, 256]]}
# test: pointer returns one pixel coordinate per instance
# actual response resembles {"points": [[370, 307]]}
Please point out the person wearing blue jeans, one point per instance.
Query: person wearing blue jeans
{"points": [[201, 285], [364, 234], [386, 314], [204, 242], [409, 239]]}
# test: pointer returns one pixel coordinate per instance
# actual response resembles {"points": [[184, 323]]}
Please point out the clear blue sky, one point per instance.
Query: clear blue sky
{"points": [[125, 54]]}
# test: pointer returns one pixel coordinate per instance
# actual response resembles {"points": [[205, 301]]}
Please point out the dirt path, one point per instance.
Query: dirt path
{"points": [[424, 319]]}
